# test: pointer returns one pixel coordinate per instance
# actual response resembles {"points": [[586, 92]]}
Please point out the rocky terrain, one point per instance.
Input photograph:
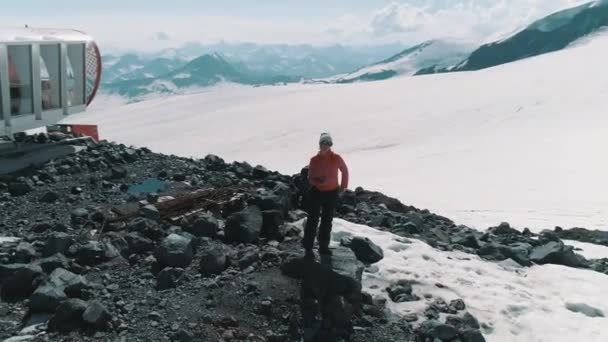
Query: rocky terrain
{"points": [[122, 244]]}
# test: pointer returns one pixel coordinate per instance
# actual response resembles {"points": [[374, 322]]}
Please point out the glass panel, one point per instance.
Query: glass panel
{"points": [[50, 76], [20, 79], [75, 80]]}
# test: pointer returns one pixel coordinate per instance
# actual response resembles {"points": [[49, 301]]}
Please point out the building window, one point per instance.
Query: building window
{"points": [[50, 76], [20, 79], [75, 79]]}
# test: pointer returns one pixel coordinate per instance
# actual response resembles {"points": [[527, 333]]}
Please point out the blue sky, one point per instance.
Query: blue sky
{"points": [[155, 24]]}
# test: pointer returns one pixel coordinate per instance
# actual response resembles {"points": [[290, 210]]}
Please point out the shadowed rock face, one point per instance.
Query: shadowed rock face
{"points": [[331, 287]]}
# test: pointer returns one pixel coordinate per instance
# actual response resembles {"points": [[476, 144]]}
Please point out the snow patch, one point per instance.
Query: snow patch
{"points": [[511, 302]]}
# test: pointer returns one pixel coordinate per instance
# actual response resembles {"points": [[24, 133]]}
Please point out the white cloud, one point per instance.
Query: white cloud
{"points": [[476, 20]]}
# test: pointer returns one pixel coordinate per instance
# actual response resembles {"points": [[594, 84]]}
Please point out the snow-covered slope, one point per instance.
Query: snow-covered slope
{"points": [[435, 53], [511, 303], [524, 142]]}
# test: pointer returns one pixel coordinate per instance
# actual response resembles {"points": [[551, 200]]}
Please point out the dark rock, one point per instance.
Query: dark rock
{"points": [[214, 259], [46, 298], [244, 226], [57, 242], [598, 237], [182, 335], [41, 227], [49, 197], [118, 172], [457, 304], [72, 284], [435, 329], [79, 215], [471, 335], [557, 253], [96, 315], [366, 251], [401, 291], [49, 264], [271, 226], [497, 252], [467, 321], [410, 317], [20, 283], [138, 244], [247, 258], [25, 252], [20, 188], [175, 251], [467, 239], [205, 225], [152, 197], [168, 278], [150, 212], [179, 177], [585, 309], [95, 253], [68, 316], [504, 229]]}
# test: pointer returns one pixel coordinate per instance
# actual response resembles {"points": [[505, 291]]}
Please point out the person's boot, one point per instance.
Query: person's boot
{"points": [[309, 254], [324, 250]]}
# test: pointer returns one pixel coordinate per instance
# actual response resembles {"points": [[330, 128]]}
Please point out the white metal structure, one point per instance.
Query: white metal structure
{"points": [[45, 74]]}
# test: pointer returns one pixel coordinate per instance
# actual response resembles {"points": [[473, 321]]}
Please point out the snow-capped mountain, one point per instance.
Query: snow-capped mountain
{"points": [[548, 34], [133, 67], [433, 53], [204, 71]]}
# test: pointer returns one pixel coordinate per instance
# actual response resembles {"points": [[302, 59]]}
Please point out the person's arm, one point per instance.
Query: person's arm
{"points": [[344, 171]]}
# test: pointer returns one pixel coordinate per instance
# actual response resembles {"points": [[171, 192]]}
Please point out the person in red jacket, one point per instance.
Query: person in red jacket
{"points": [[323, 178]]}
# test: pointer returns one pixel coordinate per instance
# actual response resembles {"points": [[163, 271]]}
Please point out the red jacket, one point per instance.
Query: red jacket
{"points": [[323, 171]]}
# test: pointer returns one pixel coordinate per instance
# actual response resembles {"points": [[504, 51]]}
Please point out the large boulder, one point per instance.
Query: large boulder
{"points": [[175, 251], [20, 188], [365, 250], [20, 282], [555, 252], [272, 225], [244, 226]]}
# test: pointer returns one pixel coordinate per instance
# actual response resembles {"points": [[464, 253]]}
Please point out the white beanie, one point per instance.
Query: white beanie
{"points": [[326, 139]]}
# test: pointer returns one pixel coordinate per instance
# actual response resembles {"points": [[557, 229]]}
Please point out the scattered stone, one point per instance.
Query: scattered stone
{"points": [[555, 252], [401, 292], [49, 264], [20, 188], [118, 172], [79, 215], [46, 298], [457, 305]]}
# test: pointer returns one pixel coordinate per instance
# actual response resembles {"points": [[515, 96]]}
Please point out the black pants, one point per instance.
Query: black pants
{"points": [[323, 204]]}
